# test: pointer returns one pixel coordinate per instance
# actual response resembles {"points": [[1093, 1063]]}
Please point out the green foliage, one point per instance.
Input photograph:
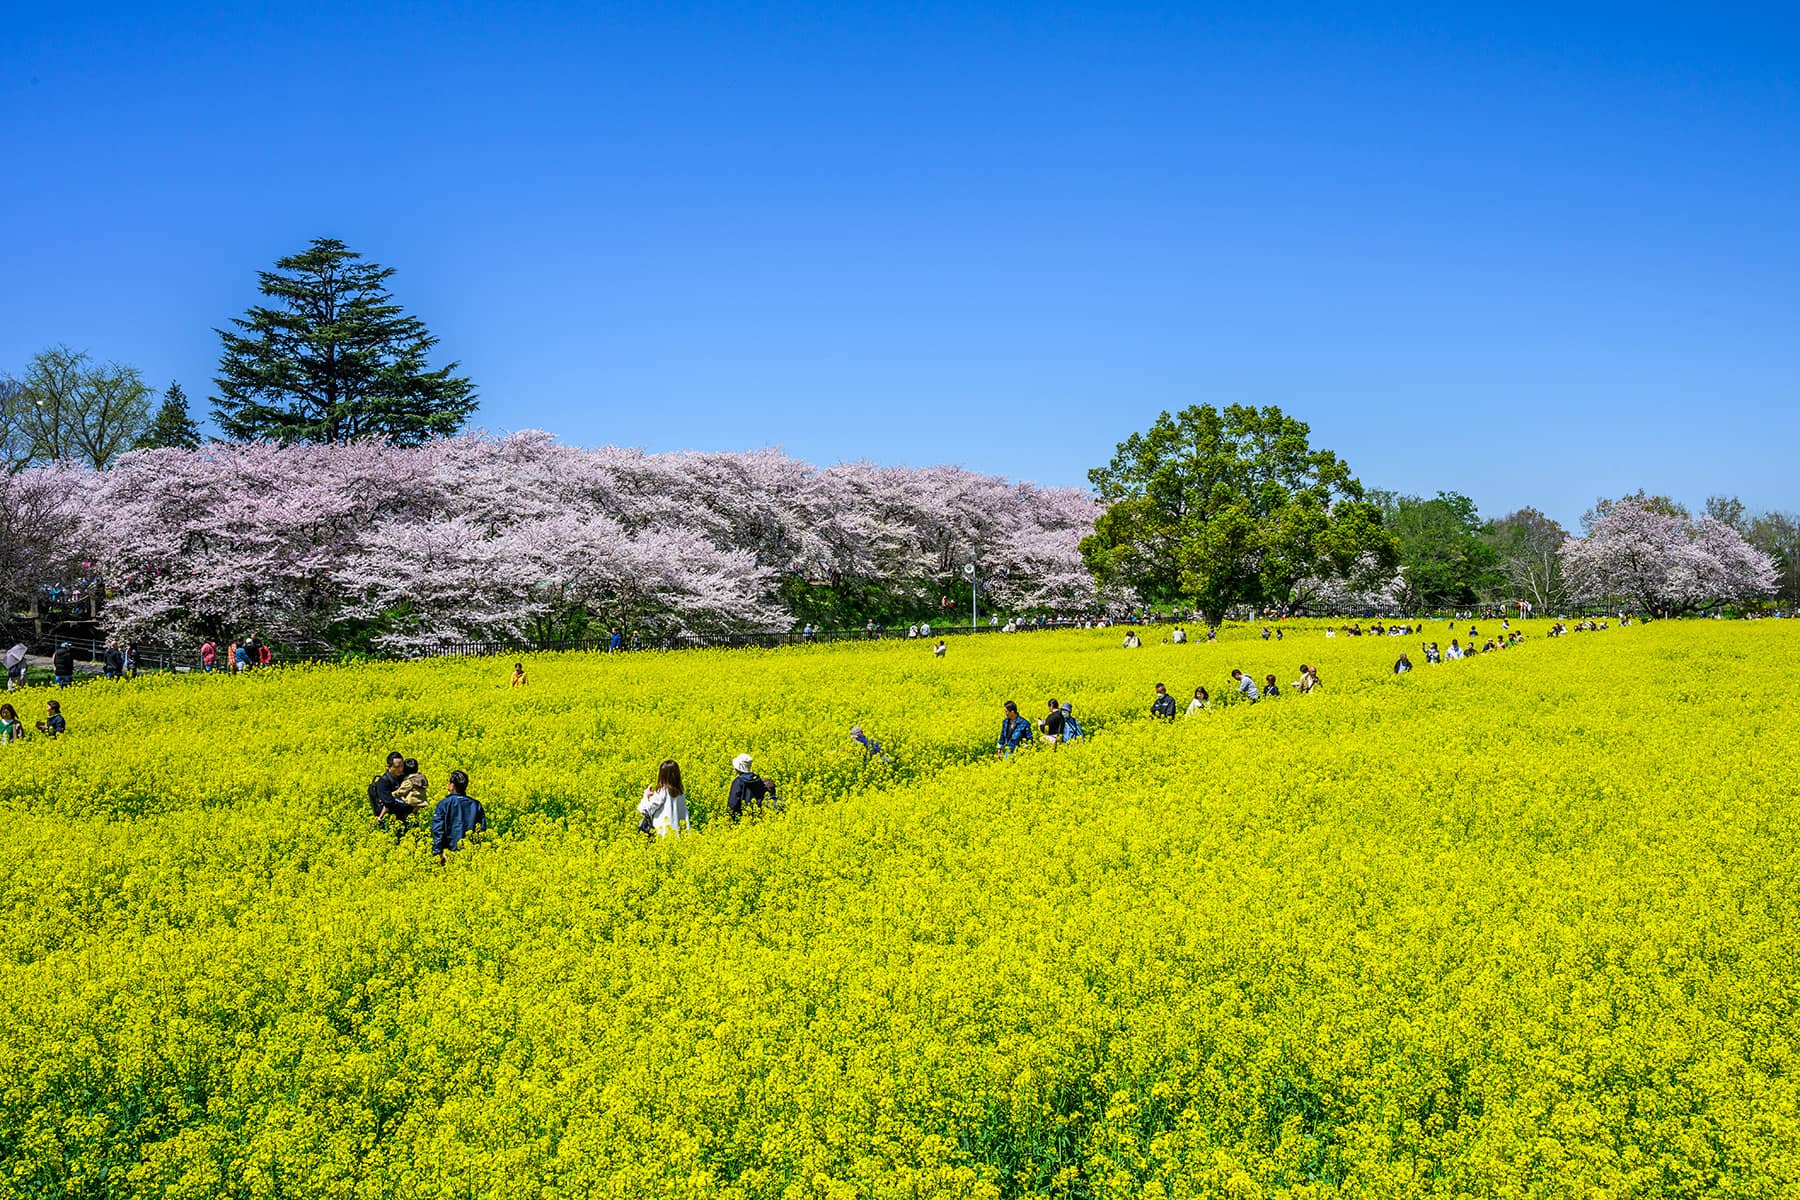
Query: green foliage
{"points": [[172, 427], [335, 360], [68, 408], [1227, 507], [1444, 559]]}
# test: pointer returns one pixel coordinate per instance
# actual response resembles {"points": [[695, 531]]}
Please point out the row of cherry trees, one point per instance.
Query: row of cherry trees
{"points": [[1649, 554], [471, 539]]}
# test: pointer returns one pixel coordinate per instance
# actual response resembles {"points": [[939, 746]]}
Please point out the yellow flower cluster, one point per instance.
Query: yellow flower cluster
{"points": [[1521, 925]]}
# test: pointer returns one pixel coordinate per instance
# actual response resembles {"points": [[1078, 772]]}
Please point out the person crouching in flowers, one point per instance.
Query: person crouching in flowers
{"points": [[664, 806], [456, 816]]}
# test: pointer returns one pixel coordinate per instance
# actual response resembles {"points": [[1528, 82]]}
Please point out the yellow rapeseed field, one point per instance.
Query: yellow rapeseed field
{"points": [[1523, 925]]}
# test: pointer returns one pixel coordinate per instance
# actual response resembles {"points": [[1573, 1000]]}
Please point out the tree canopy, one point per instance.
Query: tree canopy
{"points": [[334, 359], [1223, 507], [68, 408]]}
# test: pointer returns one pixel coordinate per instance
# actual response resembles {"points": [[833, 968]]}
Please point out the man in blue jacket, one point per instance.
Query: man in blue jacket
{"points": [[1015, 731], [455, 817]]}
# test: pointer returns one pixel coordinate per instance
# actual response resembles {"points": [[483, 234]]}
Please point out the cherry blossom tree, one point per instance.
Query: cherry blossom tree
{"points": [[1654, 556], [522, 539]]}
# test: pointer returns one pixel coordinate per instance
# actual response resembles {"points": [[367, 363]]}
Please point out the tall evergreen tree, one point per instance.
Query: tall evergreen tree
{"points": [[171, 427], [334, 360]]}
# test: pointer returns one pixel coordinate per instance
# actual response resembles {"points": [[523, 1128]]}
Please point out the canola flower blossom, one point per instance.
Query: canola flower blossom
{"points": [[1516, 925]]}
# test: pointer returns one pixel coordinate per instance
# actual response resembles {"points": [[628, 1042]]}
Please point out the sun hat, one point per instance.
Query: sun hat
{"points": [[741, 763]]}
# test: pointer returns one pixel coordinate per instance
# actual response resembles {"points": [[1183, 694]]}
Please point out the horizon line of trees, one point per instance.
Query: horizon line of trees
{"points": [[1220, 510], [364, 545]]}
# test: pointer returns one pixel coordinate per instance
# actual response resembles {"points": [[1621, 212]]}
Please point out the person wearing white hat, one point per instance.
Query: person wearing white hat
{"points": [[747, 787]]}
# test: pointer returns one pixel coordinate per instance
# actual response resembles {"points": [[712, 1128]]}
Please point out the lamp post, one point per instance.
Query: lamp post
{"points": [[972, 572]]}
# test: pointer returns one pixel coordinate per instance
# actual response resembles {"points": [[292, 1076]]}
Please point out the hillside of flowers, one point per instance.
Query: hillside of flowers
{"points": [[1519, 924]]}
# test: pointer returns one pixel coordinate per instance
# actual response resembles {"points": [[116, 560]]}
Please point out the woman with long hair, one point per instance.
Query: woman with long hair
{"points": [[11, 728], [664, 806]]}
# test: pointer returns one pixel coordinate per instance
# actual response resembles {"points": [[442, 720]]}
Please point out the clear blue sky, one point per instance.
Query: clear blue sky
{"points": [[1533, 254]]}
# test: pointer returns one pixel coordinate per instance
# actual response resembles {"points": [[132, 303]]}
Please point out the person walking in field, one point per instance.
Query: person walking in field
{"points": [[664, 806], [518, 678], [53, 724], [870, 748], [937, 651], [1200, 703], [1015, 731], [62, 665], [747, 789], [456, 816], [1164, 704], [1246, 686], [1052, 724], [381, 788], [1402, 665], [1071, 727]]}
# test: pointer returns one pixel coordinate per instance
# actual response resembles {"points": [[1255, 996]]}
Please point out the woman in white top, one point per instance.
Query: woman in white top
{"points": [[1201, 702], [665, 803]]}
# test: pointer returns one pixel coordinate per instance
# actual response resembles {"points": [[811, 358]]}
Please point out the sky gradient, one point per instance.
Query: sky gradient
{"points": [[1528, 254]]}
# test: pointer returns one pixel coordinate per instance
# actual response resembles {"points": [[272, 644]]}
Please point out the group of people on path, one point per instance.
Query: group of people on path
{"points": [[1506, 640], [240, 656]]}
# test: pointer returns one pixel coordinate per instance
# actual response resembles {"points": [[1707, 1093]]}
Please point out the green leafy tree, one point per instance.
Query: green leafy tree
{"points": [[68, 408], [1777, 534], [1527, 545], [334, 359], [1443, 559], [1218, 508], [171, 427]]}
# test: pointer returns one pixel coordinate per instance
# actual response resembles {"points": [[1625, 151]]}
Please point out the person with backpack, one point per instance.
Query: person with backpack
{"points": [[112, 665], [747, 788], [1015, 731], [1071, 727], [456, 816], [1164, 704], [62, 665]]}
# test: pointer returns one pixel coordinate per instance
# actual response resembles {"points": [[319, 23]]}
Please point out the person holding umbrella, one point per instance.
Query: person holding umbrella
{"points": [[15, 668]]}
